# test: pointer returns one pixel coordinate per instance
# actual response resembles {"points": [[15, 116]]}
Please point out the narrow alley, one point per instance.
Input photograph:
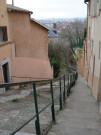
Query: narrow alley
{"points": [[80, 115], [50, 67]]}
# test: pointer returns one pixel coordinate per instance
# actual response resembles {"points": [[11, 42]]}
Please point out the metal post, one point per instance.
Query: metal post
{"points": [[72, 80], [37, 123], [52, 107], [76, 75], [60, 96], [64, 90], [68, 86]]}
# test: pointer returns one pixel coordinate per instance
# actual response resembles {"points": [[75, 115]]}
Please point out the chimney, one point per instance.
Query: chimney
{"points": [[54, 25], [12, 2]]}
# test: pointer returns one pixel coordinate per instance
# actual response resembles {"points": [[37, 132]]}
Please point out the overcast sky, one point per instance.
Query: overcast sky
{"points": [[53, 8]]}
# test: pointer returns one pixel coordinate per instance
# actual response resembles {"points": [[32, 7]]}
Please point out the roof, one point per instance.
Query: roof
{"points": [[51, 34], [53, 29], [43, 25], [17, 9], [86, 0]]}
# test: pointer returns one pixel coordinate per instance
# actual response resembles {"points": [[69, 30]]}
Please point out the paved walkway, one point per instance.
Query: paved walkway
{"points": [[80, 115]]}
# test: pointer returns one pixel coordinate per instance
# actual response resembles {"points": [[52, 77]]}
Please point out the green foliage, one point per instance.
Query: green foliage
{"points": [[63, 53], [58, 57], [72, 59], [53, 61], [78, 54], [63, 65], [58, 111], [38, 95], [15, 100], [80, 43]]}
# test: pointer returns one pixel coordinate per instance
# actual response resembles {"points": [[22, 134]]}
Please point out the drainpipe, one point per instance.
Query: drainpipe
{"points": [[85, 49], [87, 14], [12, 2], [86, 38]]}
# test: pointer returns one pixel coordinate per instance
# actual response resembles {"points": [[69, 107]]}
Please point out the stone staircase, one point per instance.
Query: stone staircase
{"points": [[80, 115]]}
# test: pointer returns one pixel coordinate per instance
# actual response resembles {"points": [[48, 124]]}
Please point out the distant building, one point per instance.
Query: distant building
{"points": [[53, 37], [23, 46]]}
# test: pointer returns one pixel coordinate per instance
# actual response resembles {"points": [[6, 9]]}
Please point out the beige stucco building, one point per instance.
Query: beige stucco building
{"points": [[90, 63], [23, 46]]}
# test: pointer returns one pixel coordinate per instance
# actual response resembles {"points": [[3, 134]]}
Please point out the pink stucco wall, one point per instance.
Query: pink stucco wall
{"points": [[30, 59], [30, 38], [25, 68]]}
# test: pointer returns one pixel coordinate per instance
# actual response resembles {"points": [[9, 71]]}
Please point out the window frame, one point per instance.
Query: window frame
{"points": [[4, 34]]}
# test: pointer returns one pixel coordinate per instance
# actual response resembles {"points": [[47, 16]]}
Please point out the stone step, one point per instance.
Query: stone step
{"points": [[83, 106], [7, 132], [20, 133], [76, 113], [80, 115], [74, 131]]}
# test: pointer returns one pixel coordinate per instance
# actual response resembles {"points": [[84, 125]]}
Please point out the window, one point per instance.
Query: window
{"points": [[3, 34], [93, 8], [99, 49], [89, 32], [92, 45], [99, 4]]}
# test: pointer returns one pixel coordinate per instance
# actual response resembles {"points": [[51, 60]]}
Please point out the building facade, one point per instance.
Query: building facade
{"points": [[53, 37], [91, 57], [23, 46]]}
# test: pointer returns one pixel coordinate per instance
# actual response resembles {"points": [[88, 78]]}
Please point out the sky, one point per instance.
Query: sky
{"points": [[49, 9]]}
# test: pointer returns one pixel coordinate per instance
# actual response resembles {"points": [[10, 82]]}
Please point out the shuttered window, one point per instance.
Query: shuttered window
{"points": [[99, 49], [92, 45], [93, 10], [99, 4], [3, 34]]}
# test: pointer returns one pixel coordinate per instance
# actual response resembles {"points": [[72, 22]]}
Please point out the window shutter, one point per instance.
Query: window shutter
{"points": [[97, 8], [93, 11], [92, 8], [4, 30], [99, 4], [1, 35], [99, 49]]}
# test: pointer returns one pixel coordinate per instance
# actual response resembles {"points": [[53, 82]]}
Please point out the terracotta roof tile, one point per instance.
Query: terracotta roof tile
{"points": [[17, 9]]}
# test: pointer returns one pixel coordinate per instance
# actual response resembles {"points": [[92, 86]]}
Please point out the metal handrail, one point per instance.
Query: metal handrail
{"points": [[4, 85], [62, 96], [30, 77], [26, 82]]}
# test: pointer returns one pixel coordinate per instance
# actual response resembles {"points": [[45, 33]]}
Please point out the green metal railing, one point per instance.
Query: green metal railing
{"points": [[62, 96]]}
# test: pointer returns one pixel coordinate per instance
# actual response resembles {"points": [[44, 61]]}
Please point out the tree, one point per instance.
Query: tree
{"points": [[58, 57], [73, 33], [62, 54]]}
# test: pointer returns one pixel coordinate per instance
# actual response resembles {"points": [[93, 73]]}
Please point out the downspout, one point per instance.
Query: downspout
{"points": [[87, 15], [12, 2], [87, 29], [87, 41]]}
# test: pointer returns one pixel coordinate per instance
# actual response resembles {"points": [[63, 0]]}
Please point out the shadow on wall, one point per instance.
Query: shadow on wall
{"points": [[29, 67]]}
